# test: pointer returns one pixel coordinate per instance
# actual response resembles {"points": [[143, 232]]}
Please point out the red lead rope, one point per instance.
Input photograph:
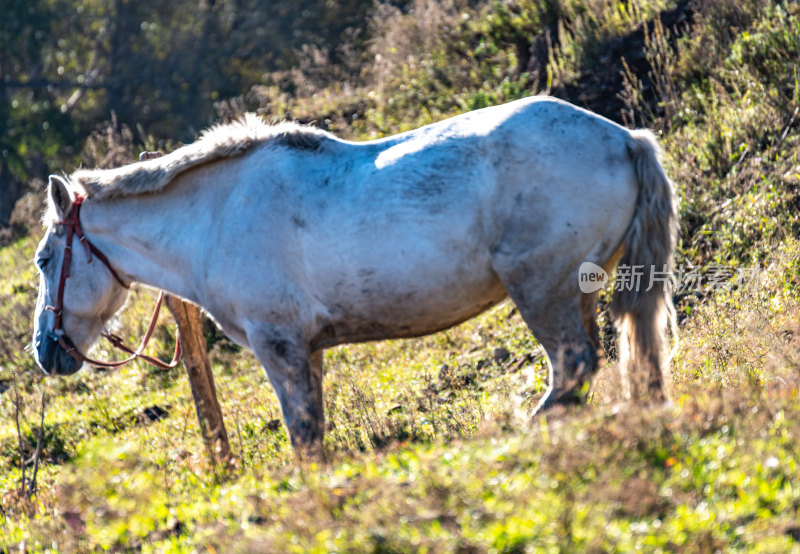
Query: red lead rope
{"points": [[73, 225]]}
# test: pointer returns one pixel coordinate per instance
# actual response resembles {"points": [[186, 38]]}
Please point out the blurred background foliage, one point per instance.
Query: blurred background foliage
{"points": [[69, 66]]}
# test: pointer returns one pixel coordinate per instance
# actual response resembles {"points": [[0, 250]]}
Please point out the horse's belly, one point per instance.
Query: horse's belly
{"points": [[382, 311]]}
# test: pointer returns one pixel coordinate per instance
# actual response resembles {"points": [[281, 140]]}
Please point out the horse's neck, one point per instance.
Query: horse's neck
{"points": [[150, 239]]}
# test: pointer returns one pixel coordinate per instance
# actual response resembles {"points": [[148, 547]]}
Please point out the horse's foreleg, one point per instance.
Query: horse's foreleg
{"points": [[296, 375]]}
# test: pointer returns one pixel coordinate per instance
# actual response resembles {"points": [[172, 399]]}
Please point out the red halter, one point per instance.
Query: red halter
{"points": [[73, 225]]}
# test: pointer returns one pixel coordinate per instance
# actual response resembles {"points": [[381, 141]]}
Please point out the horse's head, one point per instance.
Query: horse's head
{"points": [[90, 294]]}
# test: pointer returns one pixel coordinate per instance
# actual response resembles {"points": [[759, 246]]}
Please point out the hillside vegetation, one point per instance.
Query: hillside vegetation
{"points": [[429, 444]]}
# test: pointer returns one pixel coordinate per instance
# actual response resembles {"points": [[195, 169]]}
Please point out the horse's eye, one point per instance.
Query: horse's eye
{"points": [[42, 263]]}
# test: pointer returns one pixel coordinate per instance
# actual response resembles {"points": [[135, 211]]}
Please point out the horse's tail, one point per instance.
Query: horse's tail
{"points": [[642, 304]]}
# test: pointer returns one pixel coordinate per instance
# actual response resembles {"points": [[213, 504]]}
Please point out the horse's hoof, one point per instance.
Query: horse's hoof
{"points": [[557, 401]]}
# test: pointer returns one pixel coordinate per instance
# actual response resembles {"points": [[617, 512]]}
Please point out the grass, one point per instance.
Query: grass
{"points": [[429, 444]]}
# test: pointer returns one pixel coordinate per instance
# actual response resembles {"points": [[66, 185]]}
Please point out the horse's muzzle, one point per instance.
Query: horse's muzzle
{"points": [[52, 357]]}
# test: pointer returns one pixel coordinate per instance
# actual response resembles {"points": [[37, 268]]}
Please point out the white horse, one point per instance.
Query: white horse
{"points": [[296, 241]]}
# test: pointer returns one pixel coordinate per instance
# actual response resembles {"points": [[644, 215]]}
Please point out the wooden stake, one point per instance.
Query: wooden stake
{"points": [[201, 380]]}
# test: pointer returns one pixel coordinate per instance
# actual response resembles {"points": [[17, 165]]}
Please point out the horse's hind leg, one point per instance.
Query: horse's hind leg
{"points": [[559, 326], [296, 376], [589, 317]]}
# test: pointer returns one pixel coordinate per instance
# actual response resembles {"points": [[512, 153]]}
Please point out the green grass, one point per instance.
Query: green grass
{"points": [[429, 444]]}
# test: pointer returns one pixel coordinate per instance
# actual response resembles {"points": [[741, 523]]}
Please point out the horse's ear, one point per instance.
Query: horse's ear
{"points": [[59, 196]]}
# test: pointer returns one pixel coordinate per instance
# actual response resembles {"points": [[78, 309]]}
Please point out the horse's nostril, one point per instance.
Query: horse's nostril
{"points": [[45, 345]]}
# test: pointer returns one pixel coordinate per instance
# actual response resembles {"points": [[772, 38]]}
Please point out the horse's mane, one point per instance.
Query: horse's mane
{"points": [[216, 143]]}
